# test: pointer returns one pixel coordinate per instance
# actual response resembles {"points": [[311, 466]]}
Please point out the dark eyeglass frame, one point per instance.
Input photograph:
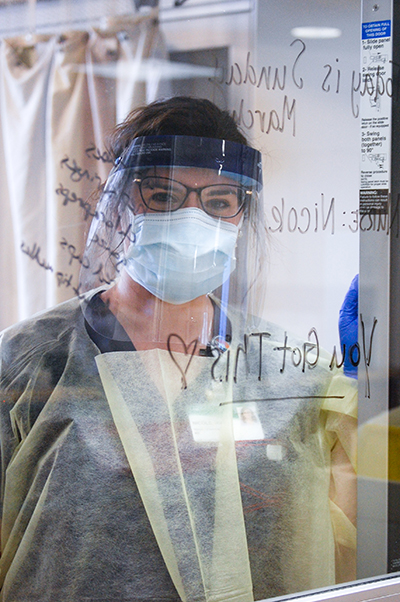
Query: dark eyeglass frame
{"points": [[244, 190]]}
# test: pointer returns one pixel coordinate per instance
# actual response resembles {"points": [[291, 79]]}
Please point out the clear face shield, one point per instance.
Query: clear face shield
{"points": [[182, 216], [179, 230]]}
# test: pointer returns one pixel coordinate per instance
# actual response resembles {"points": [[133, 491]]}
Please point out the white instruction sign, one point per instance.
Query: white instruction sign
{"points": [[376, 92]]}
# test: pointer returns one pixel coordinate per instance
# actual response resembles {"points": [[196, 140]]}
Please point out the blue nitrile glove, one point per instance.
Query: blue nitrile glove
{"points": [[348, 327]]}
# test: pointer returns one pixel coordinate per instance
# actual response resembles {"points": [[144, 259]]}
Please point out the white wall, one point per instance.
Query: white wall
{"points": [[314, 157], [313, 160]]}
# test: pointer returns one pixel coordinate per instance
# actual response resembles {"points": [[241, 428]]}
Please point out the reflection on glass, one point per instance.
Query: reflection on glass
{"points": [[184, 426], [155, 420]]}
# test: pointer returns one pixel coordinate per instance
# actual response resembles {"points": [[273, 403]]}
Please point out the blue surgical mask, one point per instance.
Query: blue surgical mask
{"points": [[182, 255]]}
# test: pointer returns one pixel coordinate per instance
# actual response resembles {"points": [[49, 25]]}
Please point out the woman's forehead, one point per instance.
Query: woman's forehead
{"points": [[193, 176]]}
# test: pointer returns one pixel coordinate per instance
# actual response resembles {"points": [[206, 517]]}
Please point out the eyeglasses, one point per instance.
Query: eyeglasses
{"points": [[218, 200]]}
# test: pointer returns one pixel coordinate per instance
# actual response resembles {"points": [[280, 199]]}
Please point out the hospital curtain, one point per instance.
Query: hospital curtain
{"points": [[60, 96]]}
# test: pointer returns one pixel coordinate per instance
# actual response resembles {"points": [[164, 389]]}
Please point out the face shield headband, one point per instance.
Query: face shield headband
{"points": [[232, 159]]}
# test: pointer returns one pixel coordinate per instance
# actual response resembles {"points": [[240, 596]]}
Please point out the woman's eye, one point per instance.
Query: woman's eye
{"points": [[221, 205], [160, 197], [164, 198], [218, 203]]}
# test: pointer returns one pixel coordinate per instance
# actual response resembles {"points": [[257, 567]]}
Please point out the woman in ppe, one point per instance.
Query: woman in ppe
{"points": [[158, 442]]}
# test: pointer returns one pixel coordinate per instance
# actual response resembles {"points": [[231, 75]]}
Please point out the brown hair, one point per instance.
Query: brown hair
{"points": [[176, 116]]}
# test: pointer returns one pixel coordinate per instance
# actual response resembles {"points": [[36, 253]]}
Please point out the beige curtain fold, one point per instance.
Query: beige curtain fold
{"points": [[25, 72], [60, 97]]}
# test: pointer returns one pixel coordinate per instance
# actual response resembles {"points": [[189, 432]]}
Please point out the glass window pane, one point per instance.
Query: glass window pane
{"points": [[199, 362]]}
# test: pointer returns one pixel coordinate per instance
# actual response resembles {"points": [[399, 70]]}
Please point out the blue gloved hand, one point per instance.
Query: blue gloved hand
{"points": [[348, 328]]}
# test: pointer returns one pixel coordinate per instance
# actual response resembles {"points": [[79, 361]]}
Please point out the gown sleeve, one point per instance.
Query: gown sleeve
{"points": [[33, 356], [340, 414]]}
